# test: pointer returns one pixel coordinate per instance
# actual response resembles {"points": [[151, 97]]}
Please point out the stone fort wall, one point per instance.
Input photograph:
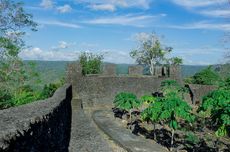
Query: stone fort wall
{"points": [[39, 126], [99, 90]]}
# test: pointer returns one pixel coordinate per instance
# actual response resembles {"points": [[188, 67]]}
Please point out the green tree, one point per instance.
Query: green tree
{"points": [[206, 77], [176, 61], [13, 73], [150, 52], [91, 63]]}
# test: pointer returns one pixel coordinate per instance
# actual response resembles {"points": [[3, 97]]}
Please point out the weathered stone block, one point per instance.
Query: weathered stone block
{"points": [[158, 71], [136, 70], [109, 69], [175, 73], [198, 91]]}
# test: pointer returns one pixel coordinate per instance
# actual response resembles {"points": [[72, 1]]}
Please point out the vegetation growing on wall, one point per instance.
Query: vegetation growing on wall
{"points": [[91, 63]]}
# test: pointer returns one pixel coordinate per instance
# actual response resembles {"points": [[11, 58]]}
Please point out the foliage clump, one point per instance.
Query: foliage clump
{"points": [[126, 101], [91, 63], [217, 105], [205, 77]]}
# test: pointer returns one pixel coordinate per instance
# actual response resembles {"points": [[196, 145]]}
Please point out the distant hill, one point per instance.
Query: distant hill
{"points": [[50, 71], [190, 70]]}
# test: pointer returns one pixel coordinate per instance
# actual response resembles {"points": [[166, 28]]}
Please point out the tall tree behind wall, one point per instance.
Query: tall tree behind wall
{"points": [[14, 21]]}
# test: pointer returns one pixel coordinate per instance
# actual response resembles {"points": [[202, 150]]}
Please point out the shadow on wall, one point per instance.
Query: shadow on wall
{"points": [[41, 126]]}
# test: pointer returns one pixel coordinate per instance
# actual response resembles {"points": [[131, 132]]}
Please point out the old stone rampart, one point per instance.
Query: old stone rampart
{"points": [[39, 126], [99, 90]]}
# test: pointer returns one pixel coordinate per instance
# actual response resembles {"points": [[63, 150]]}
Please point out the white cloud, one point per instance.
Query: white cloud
{"points": [[212, 8], [112, 5], [131, 20], [63, 45], [216, 13], [47, 4], [64, 9], [36, 53], [198, 3], [103, 7], [59, 23], [203, 25], [39, 54]]}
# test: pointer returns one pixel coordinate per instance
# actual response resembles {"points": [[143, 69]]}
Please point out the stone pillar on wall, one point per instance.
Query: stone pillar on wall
{"points": [[136, 70], [74, 71], [158, 71], [175, 73], [109, 70]]}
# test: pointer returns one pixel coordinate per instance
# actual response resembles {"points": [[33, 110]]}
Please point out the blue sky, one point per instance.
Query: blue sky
{"points": [[194, 28]]}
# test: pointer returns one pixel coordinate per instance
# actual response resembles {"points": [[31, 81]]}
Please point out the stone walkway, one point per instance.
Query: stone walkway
{"points": [[123, 137], [84, 136]]}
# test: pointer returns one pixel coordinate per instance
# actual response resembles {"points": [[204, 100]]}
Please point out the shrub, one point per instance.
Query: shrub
{"points": [[24, 97], [50, 89], [217, 104], [226, 84], [206, 77], [91, 63], [5, 98]]}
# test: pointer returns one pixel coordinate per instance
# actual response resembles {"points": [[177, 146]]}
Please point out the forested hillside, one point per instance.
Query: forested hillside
{"points": [[50, 71]]}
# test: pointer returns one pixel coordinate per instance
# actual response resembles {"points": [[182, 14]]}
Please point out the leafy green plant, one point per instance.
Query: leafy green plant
{"points": [[147, 99], [169, 86], [91, 63], [217, 104], [126, 101], [174, 109], [152, 113]]}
